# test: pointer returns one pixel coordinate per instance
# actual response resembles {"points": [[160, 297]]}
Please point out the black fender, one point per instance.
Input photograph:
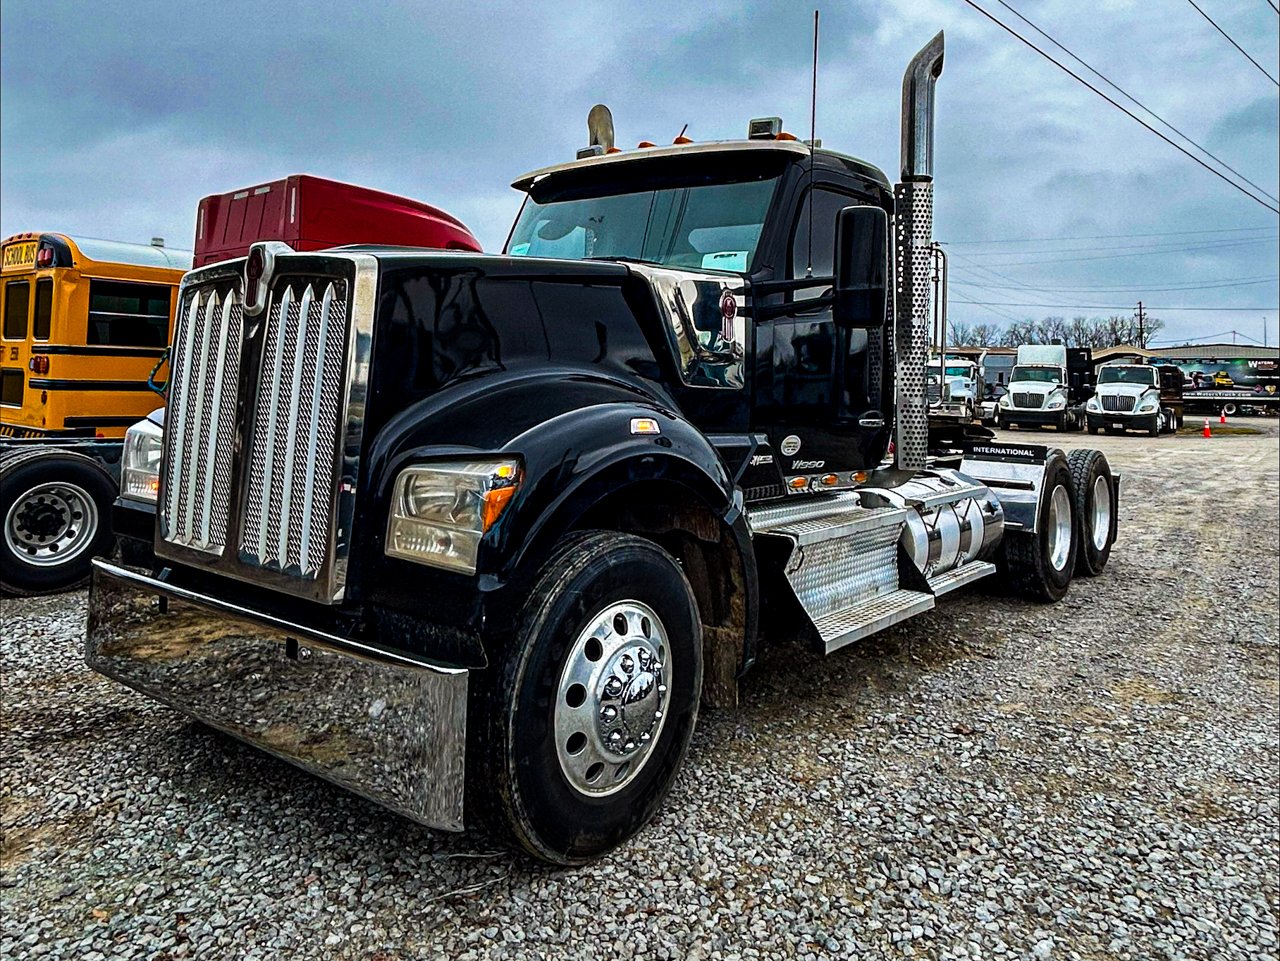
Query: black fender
{"points": [[572, 432]]}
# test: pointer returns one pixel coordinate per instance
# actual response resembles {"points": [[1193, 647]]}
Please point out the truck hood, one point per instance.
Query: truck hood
{"points": [[1124, 390]]}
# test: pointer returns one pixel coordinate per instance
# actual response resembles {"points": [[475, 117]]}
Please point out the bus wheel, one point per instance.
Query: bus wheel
{"points": [[55, 510]]}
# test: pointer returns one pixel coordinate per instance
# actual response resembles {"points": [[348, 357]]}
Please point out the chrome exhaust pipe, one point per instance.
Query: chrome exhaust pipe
{"points": [[913, 229]]}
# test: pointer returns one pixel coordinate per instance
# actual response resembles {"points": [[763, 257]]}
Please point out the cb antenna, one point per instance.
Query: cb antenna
{"points": [[813, 143]]}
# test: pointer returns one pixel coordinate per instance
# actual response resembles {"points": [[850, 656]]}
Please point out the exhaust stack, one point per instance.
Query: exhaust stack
{"points": [[913, 203]]}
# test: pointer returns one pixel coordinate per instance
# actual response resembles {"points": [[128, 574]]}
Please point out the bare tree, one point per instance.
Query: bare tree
{"points": [[985, 335], [960, 334]]}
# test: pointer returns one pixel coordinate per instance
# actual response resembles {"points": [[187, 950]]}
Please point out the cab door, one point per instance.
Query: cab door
{"points": [[821, 405]]}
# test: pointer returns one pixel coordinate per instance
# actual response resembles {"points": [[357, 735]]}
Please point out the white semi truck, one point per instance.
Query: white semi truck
{"points": [[1041, 390], [955, 387], [1134, 397]]}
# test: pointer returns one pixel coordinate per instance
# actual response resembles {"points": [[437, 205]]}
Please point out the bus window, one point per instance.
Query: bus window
{"points": [[11, 387], [128, 315], [17, 300], [44, 309]]}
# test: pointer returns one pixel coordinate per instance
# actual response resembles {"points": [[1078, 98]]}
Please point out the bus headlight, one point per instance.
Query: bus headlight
{"points": [[140, 461], [440, 511]]}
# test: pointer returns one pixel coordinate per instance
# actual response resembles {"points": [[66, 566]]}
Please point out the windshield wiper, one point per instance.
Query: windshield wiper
{"points": [[626, 260]]}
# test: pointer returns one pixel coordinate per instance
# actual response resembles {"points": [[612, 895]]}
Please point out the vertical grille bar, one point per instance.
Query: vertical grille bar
{"points": [[177, 403], [215, 450], [313, 429], [193, 466], [291, 443], [264, 427]]}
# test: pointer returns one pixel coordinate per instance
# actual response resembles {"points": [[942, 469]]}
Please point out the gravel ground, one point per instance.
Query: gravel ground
{"points": [[995, 779]]}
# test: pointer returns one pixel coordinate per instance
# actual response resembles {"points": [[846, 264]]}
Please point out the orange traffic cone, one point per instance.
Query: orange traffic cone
{"points": [[1206, 428], [1222, 416]]}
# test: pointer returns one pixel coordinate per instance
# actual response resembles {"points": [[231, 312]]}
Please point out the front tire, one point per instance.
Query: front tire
{"points": [[1040, 565], [55, 517], [583, 719]]}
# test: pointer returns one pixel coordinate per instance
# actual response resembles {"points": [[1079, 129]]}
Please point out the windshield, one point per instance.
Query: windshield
{"points": [[1045, 375], [1127, 375], [712, 226], [957, 371]]}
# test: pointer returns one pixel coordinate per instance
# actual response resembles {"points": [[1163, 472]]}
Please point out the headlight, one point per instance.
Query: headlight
{"points": [[140, 463], [1056, 402], [439, 512], [1005, 401], [1149, 404], [1093, 404]]}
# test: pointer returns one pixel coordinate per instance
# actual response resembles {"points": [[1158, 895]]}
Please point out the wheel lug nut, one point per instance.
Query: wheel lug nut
{"points": [[627, 663], [609, 713]]}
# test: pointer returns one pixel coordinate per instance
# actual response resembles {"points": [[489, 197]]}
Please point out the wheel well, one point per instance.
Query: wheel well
{"points": [[678, 520]]}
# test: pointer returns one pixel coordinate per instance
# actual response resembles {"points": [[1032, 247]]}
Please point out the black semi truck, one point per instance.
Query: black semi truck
{"points": [[476, 536]]}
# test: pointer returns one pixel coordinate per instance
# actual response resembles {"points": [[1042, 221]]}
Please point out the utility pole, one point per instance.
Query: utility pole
{"points": [[1142, 318]]}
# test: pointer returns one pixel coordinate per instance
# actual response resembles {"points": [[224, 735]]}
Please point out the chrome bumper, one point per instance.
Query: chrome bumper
{"points": [[385, 726]]}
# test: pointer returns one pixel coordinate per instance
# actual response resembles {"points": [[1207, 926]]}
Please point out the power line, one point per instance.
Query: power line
{"points": [[1273, 6], [1141, 253], [1217, 173], [1163, 288], [1165, 245], [1233, 43], [1158, 233], [988, 303], [1125, 93]]}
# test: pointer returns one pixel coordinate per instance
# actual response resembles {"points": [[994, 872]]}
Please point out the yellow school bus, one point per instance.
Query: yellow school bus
{"points": [[83, 323]]}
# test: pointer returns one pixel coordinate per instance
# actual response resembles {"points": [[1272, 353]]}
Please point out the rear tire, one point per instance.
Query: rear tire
{"points": [[607, 641], [55, 517], [1095, 510], [1040, 565]]}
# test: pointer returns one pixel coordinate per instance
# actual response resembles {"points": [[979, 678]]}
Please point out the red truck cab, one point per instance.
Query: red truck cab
{"points": [[312, 213]]}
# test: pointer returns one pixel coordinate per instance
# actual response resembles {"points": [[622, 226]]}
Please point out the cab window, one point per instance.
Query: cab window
{"points": [[826, 204], [17, 303], [128, 315], [43, 321]]}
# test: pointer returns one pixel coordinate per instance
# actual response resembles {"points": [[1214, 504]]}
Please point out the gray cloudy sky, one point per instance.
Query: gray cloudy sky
{"points": [[118, 116]]}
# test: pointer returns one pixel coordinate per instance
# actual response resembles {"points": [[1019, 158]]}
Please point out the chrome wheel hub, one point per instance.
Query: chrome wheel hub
{"points": [[612, 698], [51, 524], [1101, 512], [1059, 527]]}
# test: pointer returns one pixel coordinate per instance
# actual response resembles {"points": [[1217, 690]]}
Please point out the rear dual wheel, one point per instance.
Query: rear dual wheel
{"points": [[1040, 564], [1095, 509], [581, 725]]}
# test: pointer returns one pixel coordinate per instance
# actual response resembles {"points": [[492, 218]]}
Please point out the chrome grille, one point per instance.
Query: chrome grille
{"points": [[288, 501], [202, 398], [1028, 400], [1117, 402]]}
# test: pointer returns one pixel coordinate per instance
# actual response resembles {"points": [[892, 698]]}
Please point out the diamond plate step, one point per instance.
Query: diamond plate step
{"points": [[967, 574], [861, 620]]}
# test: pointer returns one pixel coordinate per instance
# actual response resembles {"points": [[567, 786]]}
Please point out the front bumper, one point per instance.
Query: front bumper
{"points": [[386, 726], [1039, 416], [1125, 420]]}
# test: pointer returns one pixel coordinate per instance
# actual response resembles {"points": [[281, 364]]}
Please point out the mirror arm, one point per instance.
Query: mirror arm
{"points": [[771, 311], [765, 287]]}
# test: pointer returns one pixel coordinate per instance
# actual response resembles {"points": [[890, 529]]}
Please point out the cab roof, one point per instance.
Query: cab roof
{"points": [[822, 157]]}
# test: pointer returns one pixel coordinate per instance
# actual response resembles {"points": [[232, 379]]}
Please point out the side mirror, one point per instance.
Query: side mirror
{"points": [[861, 267]]}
